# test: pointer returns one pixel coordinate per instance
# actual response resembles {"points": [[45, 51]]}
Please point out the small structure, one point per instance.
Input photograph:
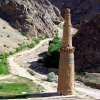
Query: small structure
{"points": [[66, 64]]}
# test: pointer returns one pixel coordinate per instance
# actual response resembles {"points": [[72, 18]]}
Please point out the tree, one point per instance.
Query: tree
{"points": [[52, 58]]}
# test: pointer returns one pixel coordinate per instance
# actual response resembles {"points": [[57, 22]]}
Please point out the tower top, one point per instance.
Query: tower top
{"points": [[67, 11], [67, 18]]}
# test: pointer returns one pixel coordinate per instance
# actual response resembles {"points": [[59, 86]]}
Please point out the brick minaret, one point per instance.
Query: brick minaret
{"points": [[66, 64]]}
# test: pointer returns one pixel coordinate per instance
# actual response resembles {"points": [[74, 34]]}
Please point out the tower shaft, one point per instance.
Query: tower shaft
{"points": [[66, 63]]}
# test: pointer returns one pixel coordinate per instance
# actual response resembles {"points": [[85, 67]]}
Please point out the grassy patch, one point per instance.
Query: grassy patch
{"points": [[27, 45], [3, 57], [52, 58], [18, 85], [14, 88], [3, 64], [3, 69]]}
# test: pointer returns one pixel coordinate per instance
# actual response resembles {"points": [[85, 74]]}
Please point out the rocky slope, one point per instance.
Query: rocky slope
{"points": [[9, 37], [36, 17]]}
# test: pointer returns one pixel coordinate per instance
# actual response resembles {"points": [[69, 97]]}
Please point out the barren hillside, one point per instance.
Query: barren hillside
{"points": [[9, 37]]}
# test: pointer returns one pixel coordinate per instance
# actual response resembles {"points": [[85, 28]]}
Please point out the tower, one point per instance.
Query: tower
{"points": [[66, 63]]}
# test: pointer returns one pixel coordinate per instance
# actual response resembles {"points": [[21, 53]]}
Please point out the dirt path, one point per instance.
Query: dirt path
{"points": [[17, 69], [20, 62], [2, 77]]}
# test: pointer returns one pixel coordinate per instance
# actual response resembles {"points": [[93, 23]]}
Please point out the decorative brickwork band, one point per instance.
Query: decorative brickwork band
{"points": [[68, 49]]}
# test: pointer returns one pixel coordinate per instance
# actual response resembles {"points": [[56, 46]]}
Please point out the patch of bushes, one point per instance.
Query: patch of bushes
{"points": [[26, 45], [3, 57], [24, 33], [14, 88], [52, 58], [54, 45], [3, 64], [9, 89]]}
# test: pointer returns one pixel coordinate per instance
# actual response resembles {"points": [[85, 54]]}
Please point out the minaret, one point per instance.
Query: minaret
{"points": [[66, 63]]}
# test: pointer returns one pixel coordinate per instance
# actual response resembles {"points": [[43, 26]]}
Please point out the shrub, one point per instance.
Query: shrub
{"points": [[3, 63], [55, 45], [3, 57], [52, 58], [24, 33], [26, 45]]}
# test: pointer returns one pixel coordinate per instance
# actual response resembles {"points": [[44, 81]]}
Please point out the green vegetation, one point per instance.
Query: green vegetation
{"points": [[3, 64], [52, 58], [14, 88], [3, 57], [18, 88], [55, 45], [18, 85], [24, 33], [26, 45]]}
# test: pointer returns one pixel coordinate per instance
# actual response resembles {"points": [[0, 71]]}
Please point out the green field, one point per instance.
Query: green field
{"points": [[14, 88], [8, 89], [17, 85]]}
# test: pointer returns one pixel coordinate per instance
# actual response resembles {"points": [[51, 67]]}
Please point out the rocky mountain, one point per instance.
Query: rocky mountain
{"points": [[35, 17], [41, 17]]}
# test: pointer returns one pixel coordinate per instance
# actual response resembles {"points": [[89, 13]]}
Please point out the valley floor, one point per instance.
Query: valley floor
{"points": [[19, 65]]}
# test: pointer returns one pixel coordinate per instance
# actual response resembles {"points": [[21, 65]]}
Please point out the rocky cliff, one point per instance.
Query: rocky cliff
{"points": [[40, 17], [86, 17], [35, 17], [87, 43]]}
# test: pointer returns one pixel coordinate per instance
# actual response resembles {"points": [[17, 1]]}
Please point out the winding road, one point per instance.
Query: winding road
{"points": [[17, 67]]}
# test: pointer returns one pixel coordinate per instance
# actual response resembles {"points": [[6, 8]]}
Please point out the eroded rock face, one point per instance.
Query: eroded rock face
{"points": [[82, 10], [39, 17], [35, 17], [87, 43], [86, 15]]}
